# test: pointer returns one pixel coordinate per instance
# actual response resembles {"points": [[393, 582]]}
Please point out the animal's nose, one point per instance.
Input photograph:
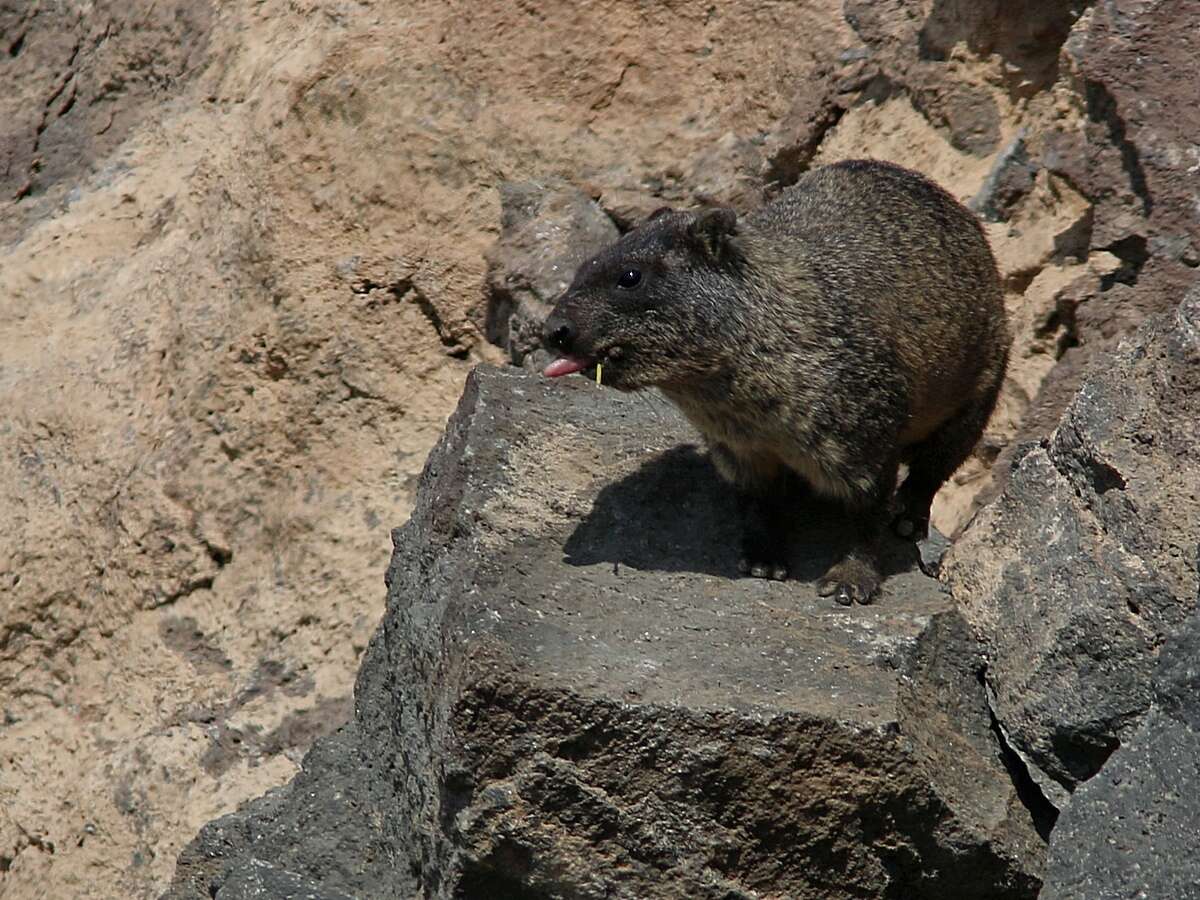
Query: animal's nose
{"points": [[559, 334]]}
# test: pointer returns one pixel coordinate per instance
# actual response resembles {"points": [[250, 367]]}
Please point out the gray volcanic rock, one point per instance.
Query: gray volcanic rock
{"points": [[324, 835], [1010, 179], [547, 230], [1134, 829], [1076, 575], [573, 695]]}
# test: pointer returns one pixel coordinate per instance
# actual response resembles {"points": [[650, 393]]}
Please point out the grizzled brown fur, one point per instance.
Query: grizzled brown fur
{"points": [[854, 323]]}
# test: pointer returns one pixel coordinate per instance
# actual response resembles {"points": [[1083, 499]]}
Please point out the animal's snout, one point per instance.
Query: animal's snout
{"points": [[560, 334]]}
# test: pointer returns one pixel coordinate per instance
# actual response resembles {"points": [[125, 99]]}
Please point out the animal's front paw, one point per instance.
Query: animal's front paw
{"points": [[850, 581], [912, 513], [760, 566]]}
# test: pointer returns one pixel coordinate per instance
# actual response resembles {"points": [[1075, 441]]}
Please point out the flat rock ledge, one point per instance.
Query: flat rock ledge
{"points": [[573, 695]]}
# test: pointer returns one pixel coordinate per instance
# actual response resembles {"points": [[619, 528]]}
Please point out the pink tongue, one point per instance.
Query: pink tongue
{"points": [[565, 365]]}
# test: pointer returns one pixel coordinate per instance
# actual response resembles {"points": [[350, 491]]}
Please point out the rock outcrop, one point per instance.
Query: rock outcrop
{"points": [[1076, 575], [1134, 156], [573, 695]]}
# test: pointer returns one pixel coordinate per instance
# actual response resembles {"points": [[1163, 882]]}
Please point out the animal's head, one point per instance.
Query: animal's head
{"points": [[647, 306]]}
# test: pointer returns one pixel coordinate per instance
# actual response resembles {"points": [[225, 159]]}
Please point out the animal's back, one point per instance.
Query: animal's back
{"points": [[898, 261]]}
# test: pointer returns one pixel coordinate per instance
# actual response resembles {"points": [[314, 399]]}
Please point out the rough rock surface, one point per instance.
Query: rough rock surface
{"points": [[1085, 564], [1132, 68], [572, 695], [78, 79], [1134, 829]]}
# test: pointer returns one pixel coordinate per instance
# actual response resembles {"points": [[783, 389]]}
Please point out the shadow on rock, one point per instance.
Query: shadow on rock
{"points": [[675, 514]]}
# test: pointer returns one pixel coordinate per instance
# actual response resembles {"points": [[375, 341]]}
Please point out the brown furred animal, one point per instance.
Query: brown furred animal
{"points": [[854, 323]]}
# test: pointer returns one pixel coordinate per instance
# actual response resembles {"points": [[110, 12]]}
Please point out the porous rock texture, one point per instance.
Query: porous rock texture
{"points": [[246, 257], [1077, 574], [1134, 829], [574, 695]]}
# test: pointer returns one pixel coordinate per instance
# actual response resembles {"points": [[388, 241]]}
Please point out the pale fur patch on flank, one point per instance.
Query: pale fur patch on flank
{"points": [[821, 479]]}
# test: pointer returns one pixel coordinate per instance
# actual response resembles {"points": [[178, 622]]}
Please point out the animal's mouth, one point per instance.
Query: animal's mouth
{"points": [[570, 363]]}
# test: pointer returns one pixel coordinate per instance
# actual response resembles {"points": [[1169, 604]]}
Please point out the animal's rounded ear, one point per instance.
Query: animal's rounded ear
{"points": [[713, 228], [661, 211]]}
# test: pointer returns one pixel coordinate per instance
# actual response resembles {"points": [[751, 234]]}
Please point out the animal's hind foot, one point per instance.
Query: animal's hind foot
{"points": [[850, 581]]}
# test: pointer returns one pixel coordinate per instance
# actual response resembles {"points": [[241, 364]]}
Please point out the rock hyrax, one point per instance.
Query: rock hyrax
{"points": [[852, 324]]}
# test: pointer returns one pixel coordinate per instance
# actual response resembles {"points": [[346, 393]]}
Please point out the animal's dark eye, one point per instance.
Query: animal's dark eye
{"points": [[629, 278]]}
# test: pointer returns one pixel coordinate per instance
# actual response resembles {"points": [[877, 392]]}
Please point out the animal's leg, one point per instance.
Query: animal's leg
{"points": [[856, 577], [936, 458], [764, 500]]}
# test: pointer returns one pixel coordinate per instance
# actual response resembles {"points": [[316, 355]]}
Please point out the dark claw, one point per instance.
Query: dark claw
{"points": [[774, 571]]}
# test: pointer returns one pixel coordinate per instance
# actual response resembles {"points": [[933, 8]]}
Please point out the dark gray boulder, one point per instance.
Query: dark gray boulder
{"points": [[573, 695], [1083, 567], [325, 835], [1134, 829]]}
